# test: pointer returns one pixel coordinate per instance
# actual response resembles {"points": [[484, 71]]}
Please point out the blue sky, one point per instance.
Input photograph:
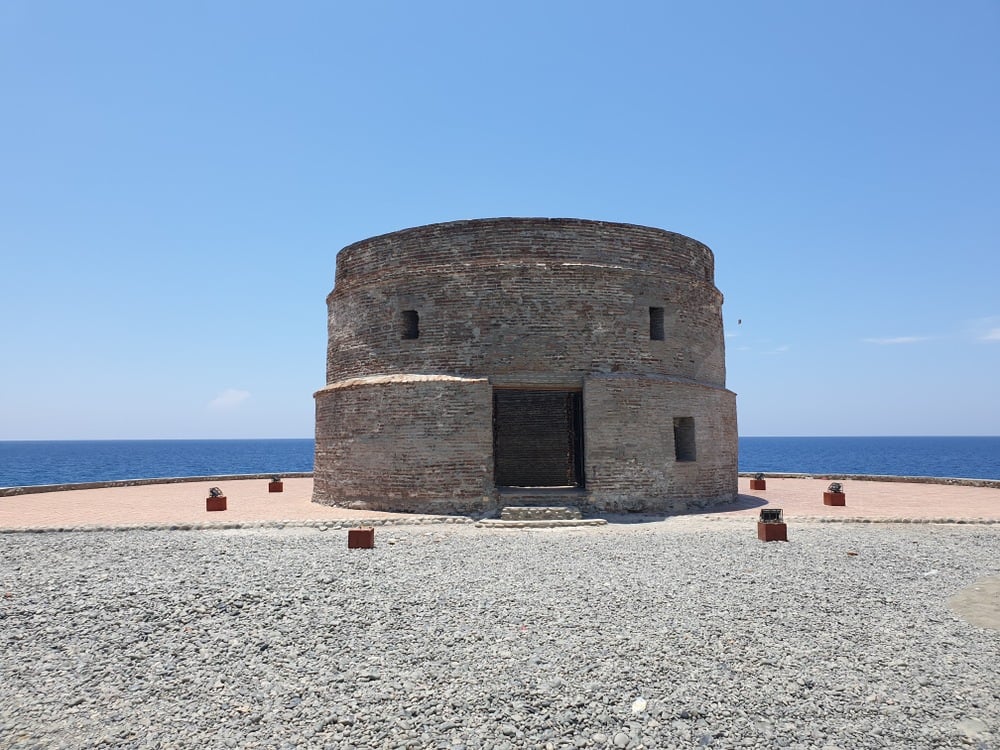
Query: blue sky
{"points": [[177, 178]]}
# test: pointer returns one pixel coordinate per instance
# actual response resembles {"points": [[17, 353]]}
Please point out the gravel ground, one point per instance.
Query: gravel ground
{"points": [[672, 634]]}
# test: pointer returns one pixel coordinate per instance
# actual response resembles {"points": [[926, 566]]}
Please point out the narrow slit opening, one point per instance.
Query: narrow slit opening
{"points": [[411, 324], [684, 447], [656, 332]]}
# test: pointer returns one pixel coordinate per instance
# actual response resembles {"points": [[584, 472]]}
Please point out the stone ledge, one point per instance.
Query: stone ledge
{"points": [[493, 523], [334, 524], [540, 513], [825, 519], [789, 519]]}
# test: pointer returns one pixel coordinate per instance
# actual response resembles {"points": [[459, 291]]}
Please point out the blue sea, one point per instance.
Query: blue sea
{"points": [[59, 462], [956, 457], [30, 462]]}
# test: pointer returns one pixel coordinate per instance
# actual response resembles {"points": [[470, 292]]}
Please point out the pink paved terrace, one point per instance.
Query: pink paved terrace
{"points": [[249, 502]]}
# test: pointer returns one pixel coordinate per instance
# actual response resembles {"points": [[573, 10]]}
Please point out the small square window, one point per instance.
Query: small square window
{"points": [[411, 324], [684, 439], [656, 324]]}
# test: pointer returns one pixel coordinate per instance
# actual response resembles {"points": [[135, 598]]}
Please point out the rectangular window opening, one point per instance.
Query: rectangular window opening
{"points": [[684, 439], [411, 324], [656, 324]]}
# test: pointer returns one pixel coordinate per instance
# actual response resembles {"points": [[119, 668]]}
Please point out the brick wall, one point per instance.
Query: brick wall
{"points": [[405, 444], [526, 297], [629, 441]]}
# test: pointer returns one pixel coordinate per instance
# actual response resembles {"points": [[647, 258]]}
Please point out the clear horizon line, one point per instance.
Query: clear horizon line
{"points": [[244, 439]]}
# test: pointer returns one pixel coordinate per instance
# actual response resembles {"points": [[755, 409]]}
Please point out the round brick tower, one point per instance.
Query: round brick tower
{"points": [[550, 360]]}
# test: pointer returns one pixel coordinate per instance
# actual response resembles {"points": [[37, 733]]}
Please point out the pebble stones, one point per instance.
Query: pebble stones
{"points": [[659, 635]]}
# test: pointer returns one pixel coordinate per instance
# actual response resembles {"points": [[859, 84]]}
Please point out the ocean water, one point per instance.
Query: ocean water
{"points": [[957, 457], [25, 463], [58, 462]]}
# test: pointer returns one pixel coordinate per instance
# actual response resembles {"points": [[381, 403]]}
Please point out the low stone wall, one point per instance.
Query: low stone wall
{"points": [[955, 481], [39, 488]]}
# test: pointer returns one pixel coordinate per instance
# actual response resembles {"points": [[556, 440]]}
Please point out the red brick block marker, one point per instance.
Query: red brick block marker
{"points": [[362, 538], [834, 495], [771, 527], [275, 485], [215, 500]]}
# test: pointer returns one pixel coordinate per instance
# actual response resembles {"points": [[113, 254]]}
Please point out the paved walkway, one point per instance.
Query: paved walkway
{"points": [[179, 503], [869, 500], [249, 502]]}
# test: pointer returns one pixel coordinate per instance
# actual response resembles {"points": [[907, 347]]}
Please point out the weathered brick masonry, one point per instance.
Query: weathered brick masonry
{"points": [[430, 329]]}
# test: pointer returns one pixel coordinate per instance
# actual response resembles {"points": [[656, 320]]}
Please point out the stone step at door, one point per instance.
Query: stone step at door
{"points": [[540, 513]]}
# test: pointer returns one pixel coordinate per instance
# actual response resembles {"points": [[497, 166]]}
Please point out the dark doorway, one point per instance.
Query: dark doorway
{"points": [[538, 438]]}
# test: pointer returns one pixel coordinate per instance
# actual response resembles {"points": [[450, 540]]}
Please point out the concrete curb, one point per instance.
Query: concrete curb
{"points": [[353, 523], [821, 519], [849, 519], [332, 524]]}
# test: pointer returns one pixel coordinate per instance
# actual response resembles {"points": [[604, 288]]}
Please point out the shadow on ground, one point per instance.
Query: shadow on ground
{"points": [[742, 502]]}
